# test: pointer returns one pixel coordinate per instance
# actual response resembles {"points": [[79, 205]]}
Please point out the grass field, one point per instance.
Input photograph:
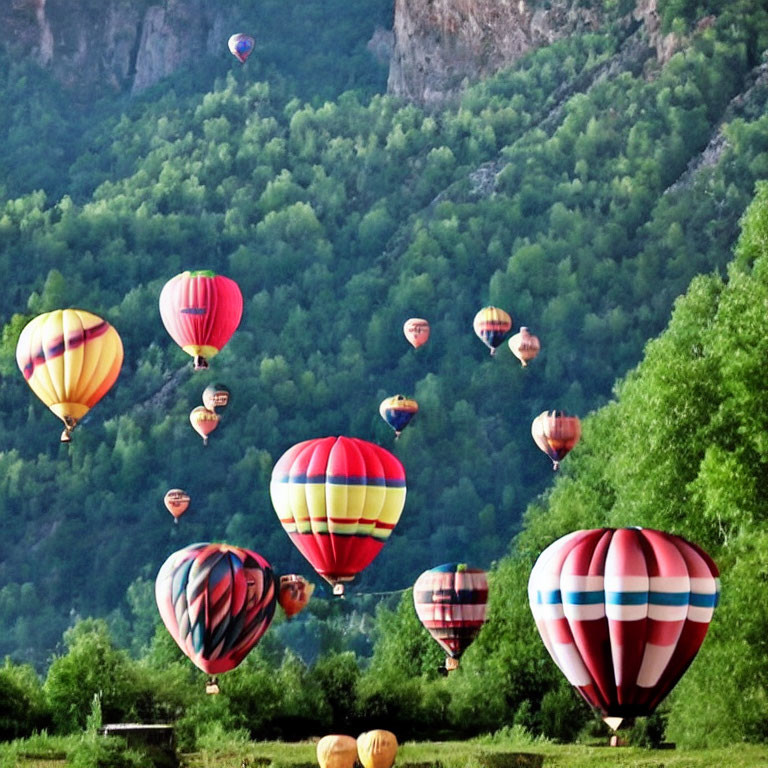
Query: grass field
{"points": [[51, 753]]}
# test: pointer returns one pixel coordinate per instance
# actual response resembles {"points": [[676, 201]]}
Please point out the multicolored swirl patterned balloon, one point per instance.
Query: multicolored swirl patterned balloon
{"points": [[451, 602], [623, 613], [338, 498], [216, 601]]}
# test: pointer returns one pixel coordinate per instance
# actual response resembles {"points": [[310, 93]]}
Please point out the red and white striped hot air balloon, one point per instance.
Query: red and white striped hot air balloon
{"points": [[623, 613]]}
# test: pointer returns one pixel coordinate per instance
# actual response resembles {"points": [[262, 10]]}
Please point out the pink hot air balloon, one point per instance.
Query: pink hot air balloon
{"points": [[623, 613]]}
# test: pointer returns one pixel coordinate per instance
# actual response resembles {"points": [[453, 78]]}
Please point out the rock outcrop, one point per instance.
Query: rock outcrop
{"points": [[443, 45], [93, 46]]}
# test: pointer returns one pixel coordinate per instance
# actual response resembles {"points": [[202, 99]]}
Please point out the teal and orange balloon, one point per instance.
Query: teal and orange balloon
{"points": [[216, 601], [338, 498], [398, 411], [491, 325], [70, 359]]}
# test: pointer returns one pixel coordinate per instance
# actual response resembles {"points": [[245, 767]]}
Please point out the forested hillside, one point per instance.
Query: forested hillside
{"points": [[549, 191]]}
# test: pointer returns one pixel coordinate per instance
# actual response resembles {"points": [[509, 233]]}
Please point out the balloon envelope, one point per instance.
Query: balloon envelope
{"points": [[241, 46], [451, 602], [491, 325], [377, 749], [176, 502], [203, 421], [294, 594], [201, 310], [215, 396], [398, 411], [416, 330], [336, 751], [623, 612], [70, 358], [216, 601], [555, 432], [338, 498], [524, 345]]}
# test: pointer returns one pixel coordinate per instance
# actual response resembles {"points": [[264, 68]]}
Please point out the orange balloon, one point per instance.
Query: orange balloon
{"points": [[416, 330], [294, 593], [555, 432], [176, 502], [377, 749], [336, 751], [203, 421], [524, 345]]}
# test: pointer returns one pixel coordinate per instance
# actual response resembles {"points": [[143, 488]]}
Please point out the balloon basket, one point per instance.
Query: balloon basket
{"points": [[338, 590], [212, 687], [66, 436], [451, 663]]}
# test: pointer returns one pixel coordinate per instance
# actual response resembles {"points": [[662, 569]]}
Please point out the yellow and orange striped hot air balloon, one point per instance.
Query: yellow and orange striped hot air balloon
{"points": [[70, 358], [492, 324], [203, 421]]}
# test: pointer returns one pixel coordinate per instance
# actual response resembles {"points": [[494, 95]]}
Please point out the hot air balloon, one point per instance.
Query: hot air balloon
{"points": [[416, 330], [241, 46], [492, 324], [623, 612], [216, 601], [201, 310], [377, 749], [398, 411], [336, 751], [215, 396], [555, 432], [70, 358], [294, 594], [176, 502], [338, 498], [524, 345], [203, 421], [450, 601]]}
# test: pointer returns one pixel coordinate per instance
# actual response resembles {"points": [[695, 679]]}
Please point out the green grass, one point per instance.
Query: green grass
{"points": [[50, 752]]}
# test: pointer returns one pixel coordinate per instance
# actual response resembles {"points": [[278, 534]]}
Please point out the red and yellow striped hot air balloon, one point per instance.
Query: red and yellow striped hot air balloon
{"points": [[451, 602], [70, 358], [201, 310], [492, 324], [338, 498], [203, 421], [555, 432]]}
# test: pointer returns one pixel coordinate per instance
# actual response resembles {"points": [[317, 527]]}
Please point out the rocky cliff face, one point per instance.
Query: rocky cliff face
{"points": [[442, 45], [118, 45]]}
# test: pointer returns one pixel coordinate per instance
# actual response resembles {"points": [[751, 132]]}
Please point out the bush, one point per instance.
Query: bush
{"points": [[107, 752]]}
